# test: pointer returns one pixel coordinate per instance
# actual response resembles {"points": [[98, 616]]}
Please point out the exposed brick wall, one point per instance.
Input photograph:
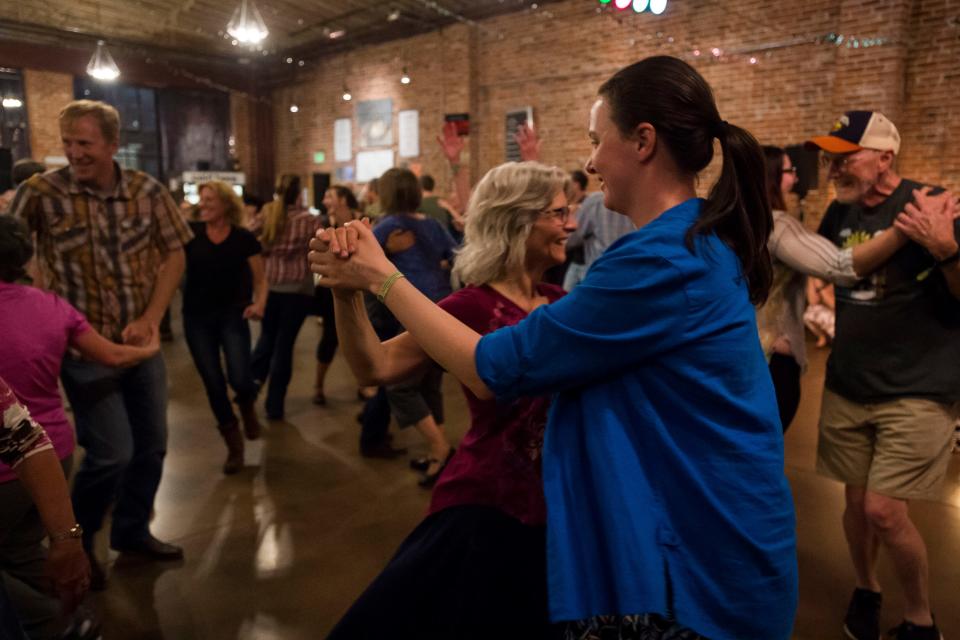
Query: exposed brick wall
{"points": [[438, 64], [46, 94], [555, 65]]}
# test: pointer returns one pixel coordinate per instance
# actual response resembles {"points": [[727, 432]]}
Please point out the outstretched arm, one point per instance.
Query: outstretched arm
{"points": [[95, 347]]}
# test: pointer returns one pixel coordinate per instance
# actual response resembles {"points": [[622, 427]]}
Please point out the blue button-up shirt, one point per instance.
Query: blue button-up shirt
{"points": [[663, 460]]}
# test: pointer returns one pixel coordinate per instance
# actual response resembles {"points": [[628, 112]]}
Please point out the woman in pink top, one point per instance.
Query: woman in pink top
{"points": [[37, 328], [475, 567]]}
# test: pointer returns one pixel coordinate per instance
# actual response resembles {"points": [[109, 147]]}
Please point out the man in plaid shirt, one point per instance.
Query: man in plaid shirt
{"points": [[110, 241]]}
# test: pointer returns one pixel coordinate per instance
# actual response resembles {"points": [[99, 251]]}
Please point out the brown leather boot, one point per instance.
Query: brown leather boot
{"points": [[251, 426], [231, 435]]}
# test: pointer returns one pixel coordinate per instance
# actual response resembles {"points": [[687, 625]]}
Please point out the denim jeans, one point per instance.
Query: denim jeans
{"points": [[121, 417], [273, 355], [208, 333]]}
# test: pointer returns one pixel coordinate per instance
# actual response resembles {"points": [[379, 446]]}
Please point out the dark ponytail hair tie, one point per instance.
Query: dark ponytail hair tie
{"points": [[720, 129]]}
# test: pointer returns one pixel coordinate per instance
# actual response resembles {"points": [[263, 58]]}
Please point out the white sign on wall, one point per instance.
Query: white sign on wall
{"points": [[372, 164], [408, 123], [342, 140]]}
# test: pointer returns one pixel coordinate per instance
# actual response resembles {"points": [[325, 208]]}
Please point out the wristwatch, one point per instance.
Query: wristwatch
{"points": [[76, 531], [949, 259]]}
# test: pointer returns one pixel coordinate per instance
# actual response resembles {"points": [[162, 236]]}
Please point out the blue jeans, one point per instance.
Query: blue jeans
{"points": [[207, 334], [121, 417], [273, 355]]}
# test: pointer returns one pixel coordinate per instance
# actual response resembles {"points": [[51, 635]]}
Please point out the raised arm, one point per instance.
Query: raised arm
{"points": [[452, 145], [373, 362], [442, 337]]}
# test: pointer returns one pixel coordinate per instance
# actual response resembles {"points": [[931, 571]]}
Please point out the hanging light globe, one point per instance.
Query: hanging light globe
{"points": [[247, 25], [101, 65]]}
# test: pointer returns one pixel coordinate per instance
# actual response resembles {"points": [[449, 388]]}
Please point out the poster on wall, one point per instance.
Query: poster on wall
{"points": [[372, 164], [344, 174], [375, 119], [516, 118], [342, 140], [408, 133]]}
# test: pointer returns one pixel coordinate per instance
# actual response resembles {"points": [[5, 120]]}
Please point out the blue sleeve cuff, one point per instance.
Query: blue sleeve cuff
{"points": [[498, 363]]}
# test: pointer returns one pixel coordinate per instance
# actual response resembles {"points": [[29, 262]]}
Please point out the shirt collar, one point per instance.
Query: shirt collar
{"points": [[121, 190]]}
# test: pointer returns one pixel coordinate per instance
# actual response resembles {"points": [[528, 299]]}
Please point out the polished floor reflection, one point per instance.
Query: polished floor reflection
{"points": [[279, 551]]}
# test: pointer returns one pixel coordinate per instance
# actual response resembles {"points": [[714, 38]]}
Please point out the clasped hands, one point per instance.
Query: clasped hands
{"points": [[349, 258], [929, 221]]}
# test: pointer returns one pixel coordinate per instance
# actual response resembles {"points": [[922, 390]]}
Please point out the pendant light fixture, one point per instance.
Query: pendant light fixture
{"points": [[101, 65], [247, 25]]}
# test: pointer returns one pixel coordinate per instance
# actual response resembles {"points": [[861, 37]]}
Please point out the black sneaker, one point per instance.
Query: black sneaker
{"points": [[909, 631], [863, 615]]}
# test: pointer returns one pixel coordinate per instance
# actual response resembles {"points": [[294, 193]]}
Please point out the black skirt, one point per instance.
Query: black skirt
{"points": [[465, 572]]}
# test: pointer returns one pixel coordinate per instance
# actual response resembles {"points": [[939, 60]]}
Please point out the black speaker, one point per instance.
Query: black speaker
{"points": [[6, 169], [807, 162], [321, 182], [203, 165]]}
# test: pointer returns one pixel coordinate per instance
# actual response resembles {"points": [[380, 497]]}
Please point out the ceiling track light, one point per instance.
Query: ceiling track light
{"points": [[247, 25], [101, 65]]}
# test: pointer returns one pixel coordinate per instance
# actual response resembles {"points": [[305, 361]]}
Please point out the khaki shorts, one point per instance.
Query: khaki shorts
{"points": [[899, 448]]}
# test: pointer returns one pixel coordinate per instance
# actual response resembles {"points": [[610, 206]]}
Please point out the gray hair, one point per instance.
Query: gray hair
{"points": [[502, 209]]}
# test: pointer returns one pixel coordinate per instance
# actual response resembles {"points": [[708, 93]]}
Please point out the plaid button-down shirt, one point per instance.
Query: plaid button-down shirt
{"points": [[100, 251], [285, 260]]}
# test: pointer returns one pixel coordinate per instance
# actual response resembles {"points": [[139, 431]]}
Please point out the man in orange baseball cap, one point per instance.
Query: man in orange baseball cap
{"points": [[891, 394]]}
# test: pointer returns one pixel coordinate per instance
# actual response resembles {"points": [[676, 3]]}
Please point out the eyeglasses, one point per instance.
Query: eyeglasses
{"points": [[560, 213], [839, 160], [792, 170]]}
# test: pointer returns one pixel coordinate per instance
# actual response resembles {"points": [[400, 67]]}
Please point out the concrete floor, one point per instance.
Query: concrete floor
{"points": [[279, 551]]}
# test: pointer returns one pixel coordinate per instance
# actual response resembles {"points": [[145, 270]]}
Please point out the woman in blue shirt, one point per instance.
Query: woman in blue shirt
{"points": [[669, 515]]}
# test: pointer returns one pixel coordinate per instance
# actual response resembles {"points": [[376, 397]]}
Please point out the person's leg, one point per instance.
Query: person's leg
{"points": [[269, 326], [912, 455], [845, 452], [327, 347], [862, 539], [785, 373], [890, 519], [295, 309], [9, 624], [409, 406], [234, 336], [375, 425], [204, 338], [145, 396], [103, 430]]}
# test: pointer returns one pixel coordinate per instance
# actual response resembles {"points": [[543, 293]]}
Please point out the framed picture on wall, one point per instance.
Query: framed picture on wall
{"points": [[375, 119]]}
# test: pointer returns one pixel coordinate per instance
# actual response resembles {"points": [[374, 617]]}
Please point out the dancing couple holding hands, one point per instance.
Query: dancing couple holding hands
{"points": [[662, 417]]}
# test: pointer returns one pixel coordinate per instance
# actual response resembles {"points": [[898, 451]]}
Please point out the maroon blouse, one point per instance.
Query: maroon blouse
{"points": [[498, 462]]}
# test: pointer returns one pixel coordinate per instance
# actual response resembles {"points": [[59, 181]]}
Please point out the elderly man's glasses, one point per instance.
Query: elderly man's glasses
{"points": [[840, 160], [560, 213]]}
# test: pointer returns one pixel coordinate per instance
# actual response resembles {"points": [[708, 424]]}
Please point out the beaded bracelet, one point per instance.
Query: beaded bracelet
{"points": [[388, 284]]}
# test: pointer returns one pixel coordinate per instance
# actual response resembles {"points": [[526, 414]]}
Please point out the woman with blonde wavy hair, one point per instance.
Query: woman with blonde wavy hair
{"points": [[477, 560], [284, 228], [225, 287]]}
